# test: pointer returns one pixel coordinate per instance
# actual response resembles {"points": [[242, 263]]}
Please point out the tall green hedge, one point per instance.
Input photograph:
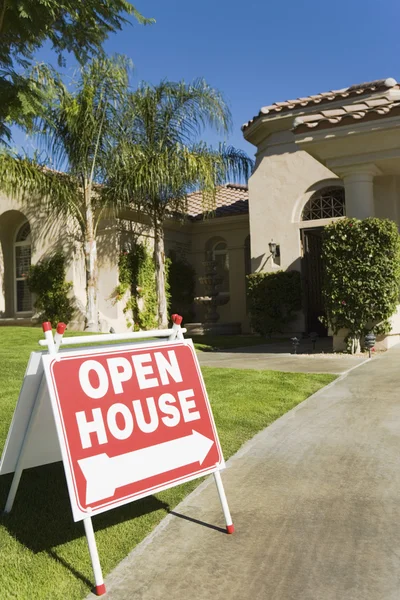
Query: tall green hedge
{"points": [[46, 281], [274, 299], [361, 276]]}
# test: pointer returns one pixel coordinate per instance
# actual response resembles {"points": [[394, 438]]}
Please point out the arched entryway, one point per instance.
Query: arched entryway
{"points": [[15, 259], [326, 203]]}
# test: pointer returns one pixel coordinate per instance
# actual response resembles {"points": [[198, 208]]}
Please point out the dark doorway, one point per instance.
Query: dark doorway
{"points": [[312, 279]]}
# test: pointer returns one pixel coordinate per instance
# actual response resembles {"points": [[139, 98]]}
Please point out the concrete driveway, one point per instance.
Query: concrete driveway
{"points": [[315, 499]]}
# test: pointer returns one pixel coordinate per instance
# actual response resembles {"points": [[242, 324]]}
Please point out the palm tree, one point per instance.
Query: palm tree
{"points": [[77, 132], [160, 159]]}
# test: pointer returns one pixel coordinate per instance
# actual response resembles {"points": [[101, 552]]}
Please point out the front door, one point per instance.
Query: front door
{"points": [[312, 279]]}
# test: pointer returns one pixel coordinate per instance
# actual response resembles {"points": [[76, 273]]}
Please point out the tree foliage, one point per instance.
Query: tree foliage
{"points": [[78, 131], [361, 276], [274, 299], [47, 282], [160, 159], [75, 26]]}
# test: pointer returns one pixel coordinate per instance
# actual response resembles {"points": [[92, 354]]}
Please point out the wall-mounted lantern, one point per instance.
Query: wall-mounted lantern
{"points": [[274, 249]]}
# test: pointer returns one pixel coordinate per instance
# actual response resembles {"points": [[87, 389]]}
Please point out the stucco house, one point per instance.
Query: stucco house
{"points": [[318, 158], [28, 234]]}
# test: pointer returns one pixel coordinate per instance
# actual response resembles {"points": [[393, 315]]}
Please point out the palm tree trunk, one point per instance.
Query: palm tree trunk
{"points": [[159, 260], [92, 311]]}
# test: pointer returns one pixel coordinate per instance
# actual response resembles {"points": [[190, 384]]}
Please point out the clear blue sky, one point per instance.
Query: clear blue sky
{"points": [[258, 52]]}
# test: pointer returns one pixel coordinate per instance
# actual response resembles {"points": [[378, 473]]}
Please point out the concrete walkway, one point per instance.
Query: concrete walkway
{"points": [[274, 357], [316, 504]]}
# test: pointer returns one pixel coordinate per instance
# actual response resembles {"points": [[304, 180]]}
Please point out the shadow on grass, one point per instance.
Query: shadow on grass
{"points": [[41, 518]]}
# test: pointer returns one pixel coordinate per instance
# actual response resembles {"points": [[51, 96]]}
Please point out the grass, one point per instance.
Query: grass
{"points": [[43, 553]]}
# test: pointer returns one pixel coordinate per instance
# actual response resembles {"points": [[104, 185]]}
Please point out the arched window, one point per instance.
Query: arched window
{"points": [[22, 254], [221, 257], [327, 203]]}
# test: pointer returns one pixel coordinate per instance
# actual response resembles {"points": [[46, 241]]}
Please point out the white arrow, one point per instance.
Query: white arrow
{"points": [[104, 474]]}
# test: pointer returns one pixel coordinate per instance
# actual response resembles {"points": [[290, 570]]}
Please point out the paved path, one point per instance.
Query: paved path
{"points": [[316, 503], [277, 358]]}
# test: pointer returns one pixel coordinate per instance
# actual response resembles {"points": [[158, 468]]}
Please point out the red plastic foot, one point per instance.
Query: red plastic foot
{"points": [[100, 589], [230, 528]]}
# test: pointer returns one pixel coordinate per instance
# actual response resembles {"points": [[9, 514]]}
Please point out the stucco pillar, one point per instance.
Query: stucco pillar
{"points": [[359, 189]]}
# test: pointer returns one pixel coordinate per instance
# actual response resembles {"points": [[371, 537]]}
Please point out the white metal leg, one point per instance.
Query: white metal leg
{"points": [[222, 496], [94, 557], [20, 463]]}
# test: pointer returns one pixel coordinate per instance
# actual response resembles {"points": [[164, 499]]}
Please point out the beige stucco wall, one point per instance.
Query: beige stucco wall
{"points": [[283, 180], [49, 234]]}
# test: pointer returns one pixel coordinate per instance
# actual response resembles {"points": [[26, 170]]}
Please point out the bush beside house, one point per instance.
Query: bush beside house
{"points": [[47, 282], [274, 299], [361, 276]]}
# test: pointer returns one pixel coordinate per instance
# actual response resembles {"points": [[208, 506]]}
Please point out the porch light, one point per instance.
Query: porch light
{"points": [[273, 249]]}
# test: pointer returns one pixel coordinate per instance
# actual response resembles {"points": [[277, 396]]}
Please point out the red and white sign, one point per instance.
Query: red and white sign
{"points": [[131, 421]]}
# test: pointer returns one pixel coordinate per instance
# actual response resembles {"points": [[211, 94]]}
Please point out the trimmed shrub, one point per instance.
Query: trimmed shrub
{"points": [[274, 299], [46, 281], [361, 262]]}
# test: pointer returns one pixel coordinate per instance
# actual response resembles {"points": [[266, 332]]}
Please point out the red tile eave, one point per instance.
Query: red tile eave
{"points": [[317, 100], [347, 120]]}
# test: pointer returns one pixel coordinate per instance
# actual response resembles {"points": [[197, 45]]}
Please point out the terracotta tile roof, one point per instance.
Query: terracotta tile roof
{"points": [[369, 110], [231, 199], [353, 91]]}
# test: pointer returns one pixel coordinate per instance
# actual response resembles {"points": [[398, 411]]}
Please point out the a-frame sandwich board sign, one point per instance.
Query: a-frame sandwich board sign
{"points": [[127, 421]]}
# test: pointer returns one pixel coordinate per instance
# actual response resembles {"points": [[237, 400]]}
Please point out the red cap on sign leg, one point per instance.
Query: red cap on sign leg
{"points": [[230, 528], [100, 589], [177, 319], [46, 326], [61, 327]]}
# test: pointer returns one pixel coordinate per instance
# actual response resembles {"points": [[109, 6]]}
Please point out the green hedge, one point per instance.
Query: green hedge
{"points": [[361, 276], [46, 281], [274, 299]]}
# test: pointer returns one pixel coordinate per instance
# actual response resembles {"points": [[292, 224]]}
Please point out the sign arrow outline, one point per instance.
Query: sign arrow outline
{"points": [[131, 467]]}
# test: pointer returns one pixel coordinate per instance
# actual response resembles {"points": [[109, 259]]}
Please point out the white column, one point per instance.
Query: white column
{"points": [[359, 189]]}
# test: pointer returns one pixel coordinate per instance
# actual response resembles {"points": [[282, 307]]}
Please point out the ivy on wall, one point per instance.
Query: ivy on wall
{"points": [[274, 299], [46, 281], [137, 274], [361, 261]]}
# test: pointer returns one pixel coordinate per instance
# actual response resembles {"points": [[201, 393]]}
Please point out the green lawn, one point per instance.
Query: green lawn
{"points": [[43, 553]]}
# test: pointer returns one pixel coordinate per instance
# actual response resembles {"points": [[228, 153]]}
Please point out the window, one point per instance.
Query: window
{"points": [[22, 258], [221, 257], [328, 203]]}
